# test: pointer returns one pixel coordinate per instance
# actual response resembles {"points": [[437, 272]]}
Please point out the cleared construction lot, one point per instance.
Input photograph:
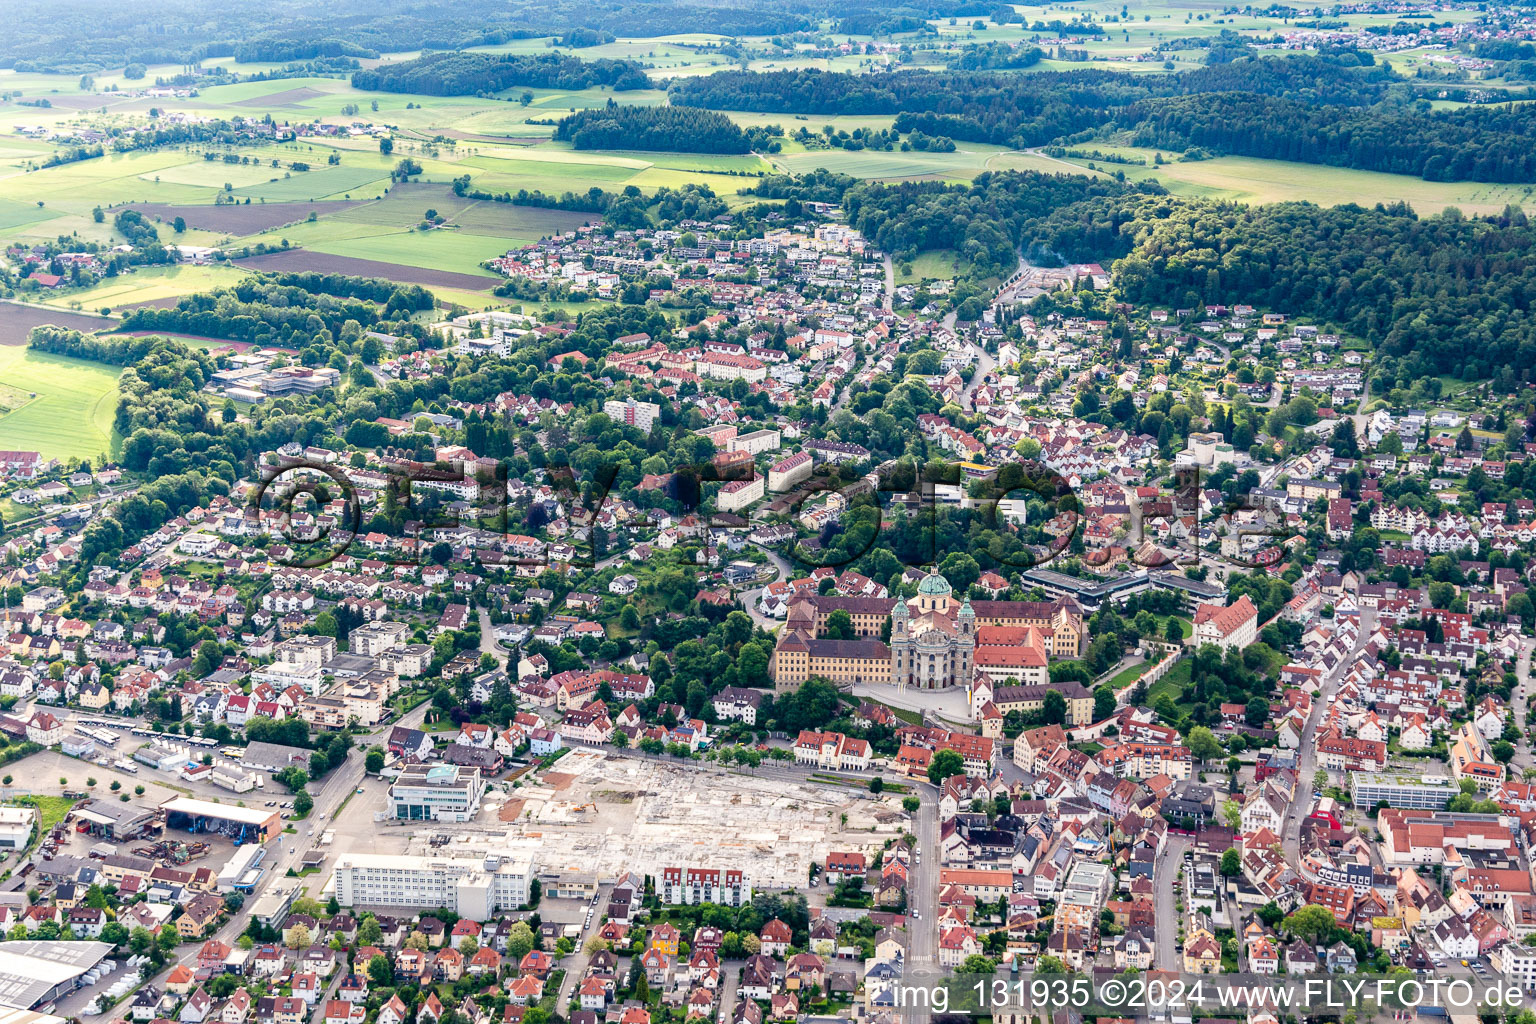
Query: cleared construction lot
{"points": [[602, 814]]}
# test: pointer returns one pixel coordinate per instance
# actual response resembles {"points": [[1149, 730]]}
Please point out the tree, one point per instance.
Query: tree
{"points": [[1231, 862], [1231, 814], [114, 933], [1202, 744], [303, 803], [380, 973], [519, 940], [369, 932], [1257, 712], [386, 145], [1053, 708], [910, 804], [945, 764], [1320, 780], [1103, 703], [1173, 632], [876, 785], [1310, 923], [839, 626], [977, 964], [373, 761]]}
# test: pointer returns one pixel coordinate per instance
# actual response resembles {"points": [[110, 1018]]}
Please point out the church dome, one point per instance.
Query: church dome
{"points": [[934, 585]]}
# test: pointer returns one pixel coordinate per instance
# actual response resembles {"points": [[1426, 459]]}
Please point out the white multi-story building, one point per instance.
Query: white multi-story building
{"points": [[1518, 962], [1233, 626], [439, 792], [475, 888], [788, 472], [723, 886], [755, 442], [738, 494], [632, 413], [374, 638]]}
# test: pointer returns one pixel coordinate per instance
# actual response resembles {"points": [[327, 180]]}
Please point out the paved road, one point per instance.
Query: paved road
{"points": [[1306, 756], [287, 850], [889, 302], [986, 362], [923, 894], [576, 965], [1165, 904], [488, 642], [749, 598], [1521, 699]]}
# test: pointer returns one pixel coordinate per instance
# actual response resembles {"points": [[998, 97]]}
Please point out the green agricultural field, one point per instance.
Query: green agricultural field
{"points": [[962, 164], [456, 251], [322, 183], [1253, 180], [15, 214], [214, 174], [151, 283], [72, 413]]}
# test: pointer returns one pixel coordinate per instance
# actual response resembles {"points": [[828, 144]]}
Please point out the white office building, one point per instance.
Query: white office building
{"points": [[475, 888], [439, 792]]}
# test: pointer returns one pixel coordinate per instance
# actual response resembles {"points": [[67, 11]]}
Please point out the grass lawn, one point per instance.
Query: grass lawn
{"points": [[72, 413], [1172, 684], [50, 811], [910, 717], [1126, 675], [936, 264]]}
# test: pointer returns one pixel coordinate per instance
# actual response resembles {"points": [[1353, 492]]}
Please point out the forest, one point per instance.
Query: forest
{"points": [[1449, 294], [1334, 110], [671, 128], [315, 318], [468, 74], [1446, 294], [987, 221], [83, 36], [1473, 144]]}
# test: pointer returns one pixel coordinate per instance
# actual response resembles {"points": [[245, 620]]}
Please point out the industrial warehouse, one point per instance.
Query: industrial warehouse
{"points": [[242, 824], [35, 973]]}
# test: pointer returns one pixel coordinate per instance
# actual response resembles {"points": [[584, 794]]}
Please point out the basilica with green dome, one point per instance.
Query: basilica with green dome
{"points": [[933, 638], [936, 640]]}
